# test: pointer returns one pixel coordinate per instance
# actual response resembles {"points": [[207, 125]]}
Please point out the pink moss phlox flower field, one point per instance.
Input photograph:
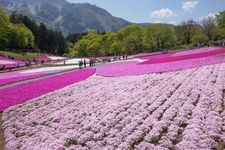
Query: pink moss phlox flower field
{"points": [[196, 51], [44, 58], [16, 76], [171, 58], [159, 56], [20, 78], [173, 53], [181, 110], [21, 93], [144, 55], [134, 68], [12, 63]]}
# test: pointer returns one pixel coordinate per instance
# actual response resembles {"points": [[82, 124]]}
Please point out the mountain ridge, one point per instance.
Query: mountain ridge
{"points": [[65, 16]]}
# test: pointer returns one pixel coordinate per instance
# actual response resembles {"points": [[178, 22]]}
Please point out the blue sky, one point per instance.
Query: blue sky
{"points": [[168, 11]]}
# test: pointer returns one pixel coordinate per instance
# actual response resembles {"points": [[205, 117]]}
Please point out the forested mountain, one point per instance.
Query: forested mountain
{"points": [[66, 17]]}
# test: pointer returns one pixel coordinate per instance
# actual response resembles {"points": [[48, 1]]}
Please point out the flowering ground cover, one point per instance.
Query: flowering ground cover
{"points": [[50, 58], [9, 63], [181, 110], [134, 68], [168, 58], [20, 78], [196, 51], [21, 93], [16, 76], [44, 59], [159, 55], [144, 55]]}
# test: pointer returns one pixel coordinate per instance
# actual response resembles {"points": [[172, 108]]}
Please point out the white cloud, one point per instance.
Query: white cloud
{"points": [[211, 15], [173, 22], [162, 13], [158, 21], [189, 5], [168, 22]]}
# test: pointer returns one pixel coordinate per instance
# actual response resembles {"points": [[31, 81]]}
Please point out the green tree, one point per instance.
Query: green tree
{"points": [[43, 38], [221, 23], [4, 30], [14, 36], [107, 40], [221, 19], [89, 45], [4, 19], [115, 48], [200, 38], [210, 28], [131, 39], [20, 36], [159, 36], [186, 31], [5, 37], [148, 40]]}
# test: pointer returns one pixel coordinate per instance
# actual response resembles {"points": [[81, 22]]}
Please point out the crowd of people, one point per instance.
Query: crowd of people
{"points": [[83, 63], [92, 61]]}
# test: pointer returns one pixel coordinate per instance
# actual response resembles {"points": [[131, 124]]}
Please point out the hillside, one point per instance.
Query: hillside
{"points": [[65, 16]]}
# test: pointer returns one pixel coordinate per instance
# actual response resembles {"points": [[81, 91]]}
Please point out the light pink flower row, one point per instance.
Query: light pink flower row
{"points": [[177, 110]]}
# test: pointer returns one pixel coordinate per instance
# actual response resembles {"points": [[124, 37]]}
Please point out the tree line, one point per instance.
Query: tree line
{"points": [[136, 39], [18, 32]]}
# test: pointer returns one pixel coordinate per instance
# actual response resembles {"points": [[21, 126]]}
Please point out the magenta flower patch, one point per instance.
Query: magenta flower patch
{"points": [[21, 78], [171, 58], [134, 68], [44, 58], [21, 93]]}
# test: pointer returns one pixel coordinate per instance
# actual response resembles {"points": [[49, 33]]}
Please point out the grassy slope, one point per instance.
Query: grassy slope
{"points": [[21, 56]]}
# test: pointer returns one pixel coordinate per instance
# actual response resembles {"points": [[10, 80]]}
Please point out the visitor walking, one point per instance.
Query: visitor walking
{"points": [[85, 63], [79, 64], [82, 63]]}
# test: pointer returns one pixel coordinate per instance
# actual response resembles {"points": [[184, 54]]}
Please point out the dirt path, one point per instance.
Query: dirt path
{"points": [[1, 134]]}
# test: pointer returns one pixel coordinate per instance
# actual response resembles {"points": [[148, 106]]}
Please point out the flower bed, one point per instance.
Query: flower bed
{"points": [[43, 59], [144, 55], [133, 68], [184, 57], [159, 55], [21, 78], [9, 63], [196, 51], [177, 110], [21, 93], [16, 76]]}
